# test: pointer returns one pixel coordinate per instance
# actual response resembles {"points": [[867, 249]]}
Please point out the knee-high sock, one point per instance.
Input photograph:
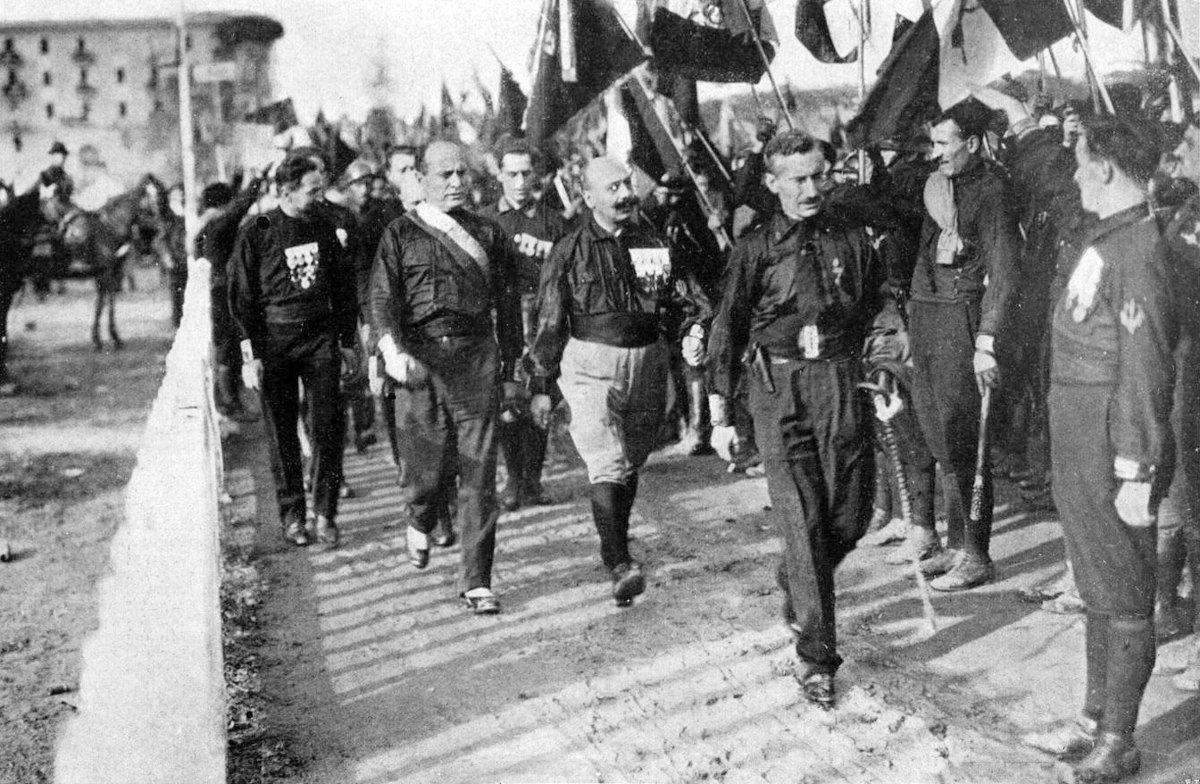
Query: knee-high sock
{"points": [[1096, 652], [1130, 662]]}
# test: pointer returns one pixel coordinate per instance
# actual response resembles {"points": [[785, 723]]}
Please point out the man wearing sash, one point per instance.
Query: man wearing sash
{"points": [[447, 322], [609, 299]]}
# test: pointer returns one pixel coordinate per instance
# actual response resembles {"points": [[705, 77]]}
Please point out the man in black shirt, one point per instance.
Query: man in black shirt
{"points": [[447, 323], [801, 295], [291, 294], [609, 297], [532, 228]]}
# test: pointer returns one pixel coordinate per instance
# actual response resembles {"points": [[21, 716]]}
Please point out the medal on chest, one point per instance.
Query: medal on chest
{"points": [[303, 262], [1083, 285], [652, 268]]}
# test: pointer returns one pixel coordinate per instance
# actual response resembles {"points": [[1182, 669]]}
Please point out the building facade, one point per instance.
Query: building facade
{"points": [[108, 89]]}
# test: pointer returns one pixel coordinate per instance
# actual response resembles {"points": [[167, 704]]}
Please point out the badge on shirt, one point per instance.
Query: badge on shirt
{"points": [[652, 266], [303, 261], [810, 341], [531, 246], [1083, 285]]}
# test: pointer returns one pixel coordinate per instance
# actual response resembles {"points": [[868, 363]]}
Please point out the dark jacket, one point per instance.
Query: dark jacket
{"points": [[1182, 234], [542, 223], [289, 281], [988, 228], [1114, 326], [421, 290], [219, 235], [787, 275], [592, 291]]}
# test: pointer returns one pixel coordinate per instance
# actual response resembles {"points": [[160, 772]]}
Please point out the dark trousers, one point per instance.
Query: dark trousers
{"points": [[318, 369], [524, 447], [814, 436], [1115, 564], [1179, 514], [447, 424], [360, 405], [178, 284], [946, 401]]}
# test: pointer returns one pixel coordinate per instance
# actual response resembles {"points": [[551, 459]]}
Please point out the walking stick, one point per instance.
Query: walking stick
{"points": [[887, 405], [981, 448]]}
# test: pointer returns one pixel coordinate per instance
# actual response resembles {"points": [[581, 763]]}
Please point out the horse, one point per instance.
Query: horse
{"points": [[20, 220], [96, 244]]}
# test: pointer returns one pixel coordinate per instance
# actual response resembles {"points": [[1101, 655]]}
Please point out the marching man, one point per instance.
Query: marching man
{"points": [[609, 297], [291, 293]]}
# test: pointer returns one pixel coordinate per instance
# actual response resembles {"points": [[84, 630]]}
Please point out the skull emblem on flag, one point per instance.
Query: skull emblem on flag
{"points": [[303, 261], [652, 266]]}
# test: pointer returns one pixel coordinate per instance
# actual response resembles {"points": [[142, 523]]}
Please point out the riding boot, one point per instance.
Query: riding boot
{"points": [[1168, 620], [1131, 652], [1096, 657], [614, 547], [698, 417]]}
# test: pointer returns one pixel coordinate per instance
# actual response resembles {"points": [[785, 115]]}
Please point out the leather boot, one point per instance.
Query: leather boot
{"points": [[614, 549]]}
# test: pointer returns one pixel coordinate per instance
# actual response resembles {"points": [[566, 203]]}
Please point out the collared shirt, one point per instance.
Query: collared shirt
{"points": [[1114, 326], [987, 267], [532, 232], [420, 283], [592, 272], [291, 283], [823, 273]]}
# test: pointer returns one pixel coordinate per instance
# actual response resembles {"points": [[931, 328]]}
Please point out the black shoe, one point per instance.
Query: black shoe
{"points": [[444, 535], [702, 448], [536, 496], [1114, 757], [362, 441], [294, 531], [818, 689], [346, 491], [628, 582]]}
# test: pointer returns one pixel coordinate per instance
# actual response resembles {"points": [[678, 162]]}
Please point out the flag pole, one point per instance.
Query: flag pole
{"points": [[1089, 59], [1173, 33], [723, 240], [762, 53], [713, 154], [862, 83], [186, 132]]}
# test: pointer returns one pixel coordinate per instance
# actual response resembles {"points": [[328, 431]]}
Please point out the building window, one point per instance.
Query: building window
{"points": [[82, 76], [85, 111], [45, 46], [187, 42], [47, 79], [8, 44], [158, 105], [120, 76], [81, 45], [122, 109], [49, 111]]}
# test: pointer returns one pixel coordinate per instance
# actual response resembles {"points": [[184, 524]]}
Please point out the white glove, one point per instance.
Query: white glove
{"points": [[541, 407], [1133, 504], [374, 376], [252, 373], [406, 370], [692, 346], [717, 411]]}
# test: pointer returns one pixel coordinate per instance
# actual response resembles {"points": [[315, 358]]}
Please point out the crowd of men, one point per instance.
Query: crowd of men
{"points": [[1021, 298]]}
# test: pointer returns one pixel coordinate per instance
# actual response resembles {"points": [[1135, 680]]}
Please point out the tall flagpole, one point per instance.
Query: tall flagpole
{"points": [[862, 82], [762, 53], [187, 150]]}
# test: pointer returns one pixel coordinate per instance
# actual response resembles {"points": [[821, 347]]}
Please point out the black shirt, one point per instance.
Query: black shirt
{"points": [[537, 221], [290, 283], [787, 275]]}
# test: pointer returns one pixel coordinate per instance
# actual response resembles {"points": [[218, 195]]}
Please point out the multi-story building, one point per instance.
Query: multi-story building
{"points": [[108, 89]]}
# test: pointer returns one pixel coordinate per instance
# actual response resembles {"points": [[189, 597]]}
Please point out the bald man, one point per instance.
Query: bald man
{"points": [[609, 298], [447, 320]]}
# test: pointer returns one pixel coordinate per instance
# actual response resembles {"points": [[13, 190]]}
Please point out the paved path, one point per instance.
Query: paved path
{"points": [[376, 674]]}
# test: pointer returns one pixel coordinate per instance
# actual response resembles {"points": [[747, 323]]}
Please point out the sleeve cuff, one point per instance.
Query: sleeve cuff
{"points": [[985, 343], [247, 351], [1128, 470]]}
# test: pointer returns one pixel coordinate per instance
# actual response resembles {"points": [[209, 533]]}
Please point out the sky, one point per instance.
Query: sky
{"points": [[332, 48]]}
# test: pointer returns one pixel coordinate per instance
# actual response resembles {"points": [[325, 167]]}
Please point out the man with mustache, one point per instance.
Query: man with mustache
{"points": [[532, 228], [610, 298], [801, 294], [962, 292], [447, 322]]}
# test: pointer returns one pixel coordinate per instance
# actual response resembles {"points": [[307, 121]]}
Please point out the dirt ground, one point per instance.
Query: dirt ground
{"points": [[373, 673], [67, 444]]}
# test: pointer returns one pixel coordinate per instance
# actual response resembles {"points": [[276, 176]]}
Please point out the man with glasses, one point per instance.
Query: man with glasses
{"points": [[447, 322], [291, 294]]}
